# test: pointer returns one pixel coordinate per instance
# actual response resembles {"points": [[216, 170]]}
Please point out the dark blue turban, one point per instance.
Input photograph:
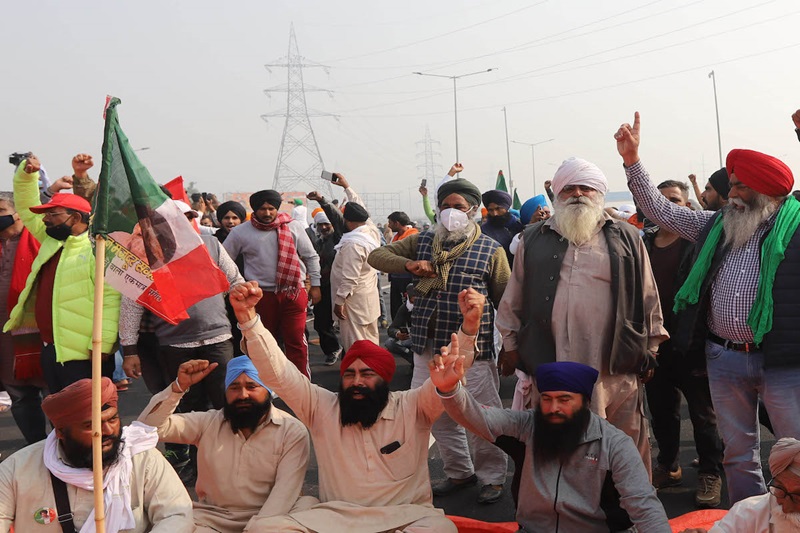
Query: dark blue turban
{"points": [[566, 376], [501, 198]]}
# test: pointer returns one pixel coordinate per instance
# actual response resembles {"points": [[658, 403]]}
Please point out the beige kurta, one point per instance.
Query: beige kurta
{"points": [[237, 478], [353, 472], [158, 498]]}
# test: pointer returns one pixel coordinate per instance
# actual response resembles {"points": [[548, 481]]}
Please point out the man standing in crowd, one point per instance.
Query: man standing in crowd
{"points": [[354, 284], [582, 290], [371, 444], [300, 212], [230, 214], [20, 351], [58, 296], [741, 297], [401, 225], [500, 225], [680, 372], [261, 469], [50, 482], [454, 257], [279, 255], [580, 473]]}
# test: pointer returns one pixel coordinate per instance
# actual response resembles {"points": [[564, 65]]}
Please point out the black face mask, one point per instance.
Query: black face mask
{"points": [[60, 231], [6, 221]]}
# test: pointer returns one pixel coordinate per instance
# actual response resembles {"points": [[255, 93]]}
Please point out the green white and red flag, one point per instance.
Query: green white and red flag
{"points": [[153, 254]]}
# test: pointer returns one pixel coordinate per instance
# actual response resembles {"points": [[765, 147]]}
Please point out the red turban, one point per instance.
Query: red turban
{"points": [[377, 358], [73, 404], [761, 172]]}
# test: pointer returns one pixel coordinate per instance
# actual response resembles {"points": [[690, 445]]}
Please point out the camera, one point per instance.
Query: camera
{"points": [[18, 157]]}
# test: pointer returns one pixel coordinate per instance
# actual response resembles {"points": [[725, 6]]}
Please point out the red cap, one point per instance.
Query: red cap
{"points": [[67, 201]]}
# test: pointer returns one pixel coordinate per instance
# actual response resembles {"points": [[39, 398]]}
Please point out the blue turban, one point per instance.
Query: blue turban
{"points": [[501, 198], [529, 208], [242, 365], [566, 376]]}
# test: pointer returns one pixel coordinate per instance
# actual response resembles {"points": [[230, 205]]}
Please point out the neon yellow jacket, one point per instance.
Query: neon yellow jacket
{"points": [[73, 291]]}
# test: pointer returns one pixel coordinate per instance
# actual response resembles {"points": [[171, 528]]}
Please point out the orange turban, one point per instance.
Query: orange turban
{"points": [[761, 172], [315, 211], [73, 404]]}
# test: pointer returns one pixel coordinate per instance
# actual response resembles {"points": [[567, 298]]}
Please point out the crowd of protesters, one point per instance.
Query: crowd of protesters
{"points": [[605, 315]]}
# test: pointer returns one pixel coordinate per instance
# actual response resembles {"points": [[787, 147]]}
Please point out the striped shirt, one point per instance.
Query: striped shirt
{"points": [[734, 288]]}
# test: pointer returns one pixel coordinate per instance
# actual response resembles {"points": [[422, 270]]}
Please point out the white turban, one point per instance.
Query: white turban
{"points": [[321, 218], [576, 171], [785, 454]]}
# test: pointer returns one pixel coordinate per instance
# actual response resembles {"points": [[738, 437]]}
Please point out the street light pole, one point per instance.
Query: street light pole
{"points": [[455, 97], [508, 152], [533, 158], [716, 108]]}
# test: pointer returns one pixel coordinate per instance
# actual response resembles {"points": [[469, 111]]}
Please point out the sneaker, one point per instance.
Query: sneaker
{"points": [[449, 486], [709, 491], [490, 493], [663, 478], [331, 358]]}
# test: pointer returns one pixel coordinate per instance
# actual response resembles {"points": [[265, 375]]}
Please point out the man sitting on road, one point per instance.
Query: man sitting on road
{"points": [[371, 444], [251, 456]]}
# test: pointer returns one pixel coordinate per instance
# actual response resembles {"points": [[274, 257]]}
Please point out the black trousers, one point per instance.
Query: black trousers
{"points": [[26, 408], [676, 374], [58, 375], [323, 322], [212, 388]]}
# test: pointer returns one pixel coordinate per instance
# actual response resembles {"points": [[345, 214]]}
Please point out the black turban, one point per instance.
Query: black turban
{"points": [[719, 180], [273, 198], [462, 187], [235, 207], [501, 198], [355, 212]]}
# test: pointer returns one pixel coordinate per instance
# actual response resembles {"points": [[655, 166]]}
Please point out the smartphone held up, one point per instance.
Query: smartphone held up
{"points": [[329, 176]]}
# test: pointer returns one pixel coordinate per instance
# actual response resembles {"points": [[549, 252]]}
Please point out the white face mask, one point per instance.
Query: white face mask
{"points": [[453, 219], [409, 305]]}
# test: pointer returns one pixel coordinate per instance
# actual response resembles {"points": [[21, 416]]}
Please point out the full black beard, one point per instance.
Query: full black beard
{"points": [[246, 414], [558, 441], [80, 456], [364, 411], [500, 220]]}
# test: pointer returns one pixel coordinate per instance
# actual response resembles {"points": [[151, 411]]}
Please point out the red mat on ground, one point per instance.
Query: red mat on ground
{"points": [[704, 518], [468, 525]]}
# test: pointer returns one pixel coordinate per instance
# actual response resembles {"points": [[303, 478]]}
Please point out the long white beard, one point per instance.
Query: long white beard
{"points": [[741, 224], [458, 235], [577, 218], [783, 521]]}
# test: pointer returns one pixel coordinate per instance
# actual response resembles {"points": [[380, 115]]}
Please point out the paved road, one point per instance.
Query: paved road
{"points": [[676, 500]]}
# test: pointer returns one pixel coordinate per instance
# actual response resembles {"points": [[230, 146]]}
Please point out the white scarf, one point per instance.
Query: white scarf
{"points": [[136, 438], [362, 235]]}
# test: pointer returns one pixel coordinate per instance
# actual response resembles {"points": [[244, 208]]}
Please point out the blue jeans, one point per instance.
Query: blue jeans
{"points": [[737, 379]]}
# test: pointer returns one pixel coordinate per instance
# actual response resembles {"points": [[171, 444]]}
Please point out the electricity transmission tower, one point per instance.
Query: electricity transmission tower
{"points": [[430, 167], [299, 161]]}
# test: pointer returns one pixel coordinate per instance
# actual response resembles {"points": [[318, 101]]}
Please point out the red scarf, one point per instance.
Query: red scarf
{"points": [[27, 345], [288, 274]]}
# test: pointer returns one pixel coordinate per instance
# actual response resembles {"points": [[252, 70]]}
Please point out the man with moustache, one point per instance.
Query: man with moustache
{"points": [[265, 450], [455, 256], [715, 194], [579, 472], [51, 481], [371, 444], [582, 290], [501, 225], [741, 297]]}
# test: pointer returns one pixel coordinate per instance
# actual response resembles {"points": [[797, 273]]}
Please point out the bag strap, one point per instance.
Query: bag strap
{"points": [[62, 505]]}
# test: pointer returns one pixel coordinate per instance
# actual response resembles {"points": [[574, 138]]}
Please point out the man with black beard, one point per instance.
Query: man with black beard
{"points": [[251, 456], [740, 297], [371, 444], [52, 480], [58, 297], [501, 225], [579, 472]]}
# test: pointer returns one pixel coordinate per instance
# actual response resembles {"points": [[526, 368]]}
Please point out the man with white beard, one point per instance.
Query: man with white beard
{"points": [[582, 290], [745, 282], [775, 512], [446, 261]]}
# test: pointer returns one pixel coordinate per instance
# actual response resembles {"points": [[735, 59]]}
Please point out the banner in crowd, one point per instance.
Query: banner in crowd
{"points": [[153, 254]]}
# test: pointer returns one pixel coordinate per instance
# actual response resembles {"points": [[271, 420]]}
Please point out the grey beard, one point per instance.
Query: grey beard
{"points": [[454, 237], [577, 220], [781, 518], [741, 224]]}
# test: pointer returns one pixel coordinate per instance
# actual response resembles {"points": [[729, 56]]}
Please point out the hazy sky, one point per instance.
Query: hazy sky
{"points": [[191, 78]]}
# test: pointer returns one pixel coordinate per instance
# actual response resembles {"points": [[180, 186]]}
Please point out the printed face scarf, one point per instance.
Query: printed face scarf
{"points": [[288, 275], [443, 260], [773, 252]]}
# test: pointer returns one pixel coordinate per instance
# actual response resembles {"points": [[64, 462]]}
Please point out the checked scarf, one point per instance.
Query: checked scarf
{"points": [[288, 275], [442, 261]]}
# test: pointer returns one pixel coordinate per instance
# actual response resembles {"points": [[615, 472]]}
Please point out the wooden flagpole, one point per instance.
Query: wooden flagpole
{"points": [[97, 369]]}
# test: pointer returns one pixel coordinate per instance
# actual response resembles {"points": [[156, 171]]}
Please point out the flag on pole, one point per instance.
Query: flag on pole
{"points": [[516, 204], [154, 256], [500, 185]]}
